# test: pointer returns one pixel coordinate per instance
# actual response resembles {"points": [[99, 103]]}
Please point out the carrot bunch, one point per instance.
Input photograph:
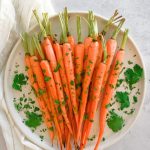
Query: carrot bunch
{"points": [[70, 79]]}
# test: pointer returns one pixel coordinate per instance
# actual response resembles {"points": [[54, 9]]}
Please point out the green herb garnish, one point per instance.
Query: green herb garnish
{"points": [[115, 122], [123, 99], [46, 78], [18, 81], [57, 67], [33, 120], [132, 76]]}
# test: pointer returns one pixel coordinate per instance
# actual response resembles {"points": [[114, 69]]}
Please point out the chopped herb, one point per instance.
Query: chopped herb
{"points": [[72, 82], [57, 102], [86, 116], [112, 86], [135, 99], [103, 139], [26, 68], [123, 99], [130, 112], [91, 62], [115, 122], [132, 76], [36, 109], [119, 82], [91, 120], [108, 105], [41, 92], [59, 109], [116, 65], [130, 62], [78, 85], [41, 137], [92, 138], [51, 128], [57, 67], [67, 54], [33, 120], [46, 78], [18, 81], [43, 70]]}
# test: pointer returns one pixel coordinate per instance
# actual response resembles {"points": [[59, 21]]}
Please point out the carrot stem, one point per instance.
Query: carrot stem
{"points": [[46, 24], [125, 36], [24, 42], [38, 46], [117, 30], [66, 20], [40, 23], [79, 29], [109, 22], [64, 33], [104, 48]]}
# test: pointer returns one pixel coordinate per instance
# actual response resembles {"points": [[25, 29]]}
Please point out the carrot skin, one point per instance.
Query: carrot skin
{"points": [[53, 64], [111, 48], [39, 99], [109, 90], [93, 102], [69, 68], [91, 61], [78, 57], [51, 88], [47, 98], [87, 43], [71, 41]]}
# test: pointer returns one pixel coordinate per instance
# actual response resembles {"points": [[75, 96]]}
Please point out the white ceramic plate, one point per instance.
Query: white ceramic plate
{"points": [[17, 56]]}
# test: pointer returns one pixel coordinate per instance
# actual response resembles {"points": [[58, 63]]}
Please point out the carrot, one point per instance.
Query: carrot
{"points": [[111, 48], [91, 61], [59, 56], [69, 68], [110, 86], [78, 63], [70, 38], [50, 56], [93, 98], [39, 68], [87, 40], [46, 115]]}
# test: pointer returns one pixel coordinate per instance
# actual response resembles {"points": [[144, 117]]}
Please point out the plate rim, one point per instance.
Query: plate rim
{"points": [[119, 137]]}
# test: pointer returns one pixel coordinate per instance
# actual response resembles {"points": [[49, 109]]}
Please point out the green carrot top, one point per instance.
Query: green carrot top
{"points": [[104, 48], [118, 28], [124, 40], [79, 29], [113, 18]]}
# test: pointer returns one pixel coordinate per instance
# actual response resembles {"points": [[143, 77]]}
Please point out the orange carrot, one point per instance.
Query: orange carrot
{"points": [[46, 115], [111, 48], [93, 98], [70, 38], [48, 49], [110, 86], [91, 61], [69, 68], [78, 61]]}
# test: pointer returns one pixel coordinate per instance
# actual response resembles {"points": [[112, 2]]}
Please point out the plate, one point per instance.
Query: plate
{"points": [[17, 56]]}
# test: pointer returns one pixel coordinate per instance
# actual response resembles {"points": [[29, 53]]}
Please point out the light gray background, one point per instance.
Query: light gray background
{"points": [[137, 14]]}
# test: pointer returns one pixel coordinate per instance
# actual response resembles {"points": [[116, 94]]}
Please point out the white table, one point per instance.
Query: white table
{"points": [[137, 17]]}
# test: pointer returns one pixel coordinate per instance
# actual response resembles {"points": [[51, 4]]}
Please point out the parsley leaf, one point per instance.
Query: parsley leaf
{"points": [[72, 82], [46, 78], [123, 99], [18, 81], [33, 120], [115, 122], [132, 76]]}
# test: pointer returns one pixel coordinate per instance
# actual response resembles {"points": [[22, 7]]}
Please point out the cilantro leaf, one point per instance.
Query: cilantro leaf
{"points": [[18, 81], [132, 76], [123, 99], [115, 122], [33, 120]]}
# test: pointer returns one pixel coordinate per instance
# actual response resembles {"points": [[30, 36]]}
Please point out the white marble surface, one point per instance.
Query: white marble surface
{"points": [[137, 14]]}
